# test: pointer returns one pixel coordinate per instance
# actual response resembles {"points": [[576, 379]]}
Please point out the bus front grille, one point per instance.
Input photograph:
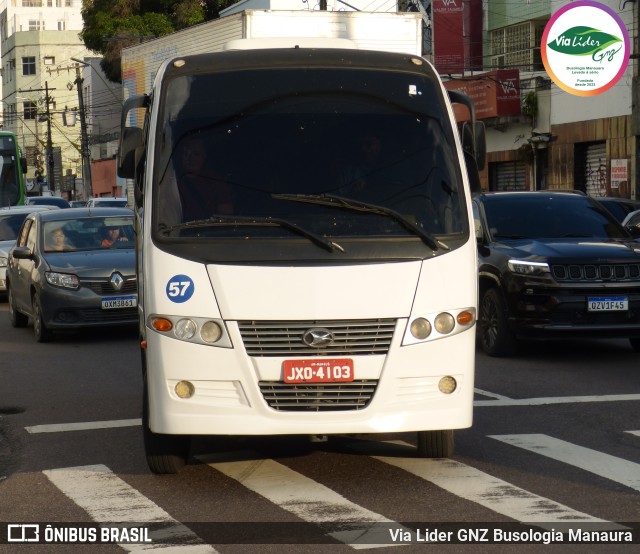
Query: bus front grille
{"points": [[286, 338], [318, 397]]}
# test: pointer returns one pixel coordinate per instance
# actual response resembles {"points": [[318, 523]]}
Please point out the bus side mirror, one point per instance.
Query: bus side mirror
{"points": [[131, 138], [472, 173], [23, 164], [472, 133], [474, 141]]}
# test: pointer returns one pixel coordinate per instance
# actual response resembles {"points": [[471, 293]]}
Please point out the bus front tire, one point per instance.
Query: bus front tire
{"points": [[166, 454], [435, 444]]}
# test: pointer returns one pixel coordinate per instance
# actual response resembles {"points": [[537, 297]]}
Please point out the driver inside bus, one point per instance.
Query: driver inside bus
{"points": [[202, 193]]}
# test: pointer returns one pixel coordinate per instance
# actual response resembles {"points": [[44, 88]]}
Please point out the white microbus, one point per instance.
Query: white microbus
{"points": [[306, 250]]}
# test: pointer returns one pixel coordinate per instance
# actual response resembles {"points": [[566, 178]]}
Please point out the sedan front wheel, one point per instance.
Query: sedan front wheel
{"points": [[40, 330]]}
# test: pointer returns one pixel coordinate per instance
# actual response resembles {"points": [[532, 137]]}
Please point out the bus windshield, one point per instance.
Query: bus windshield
{"points": [[336, 154]]}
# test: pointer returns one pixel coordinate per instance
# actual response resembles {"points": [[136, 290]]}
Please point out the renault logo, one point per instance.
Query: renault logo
{"points": [[117, 281], [318, 337]]}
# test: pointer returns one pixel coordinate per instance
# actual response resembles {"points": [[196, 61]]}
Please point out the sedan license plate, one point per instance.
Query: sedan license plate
{"points": [[119, 302], [608, 304], [330, 370]]}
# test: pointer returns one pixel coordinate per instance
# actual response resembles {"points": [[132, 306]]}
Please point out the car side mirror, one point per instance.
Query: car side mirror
{"points": [[22, 253]]}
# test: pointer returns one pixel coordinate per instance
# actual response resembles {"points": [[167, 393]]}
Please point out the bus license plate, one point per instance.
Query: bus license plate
{"points": [[119, 302], [608, 304], [330, 370]]}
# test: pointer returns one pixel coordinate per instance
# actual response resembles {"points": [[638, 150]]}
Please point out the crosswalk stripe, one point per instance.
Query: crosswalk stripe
{"points": [[615, 469], [83, 426], [636, 433], [109, 500], [310, 501], [490, 492], [493, 395], [555, 400]]}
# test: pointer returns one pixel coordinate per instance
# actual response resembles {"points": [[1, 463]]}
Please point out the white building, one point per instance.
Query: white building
{"points": [[103, 106], [38, 39]]}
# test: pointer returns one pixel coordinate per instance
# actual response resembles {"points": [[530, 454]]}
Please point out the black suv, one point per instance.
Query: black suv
{"points": [[553, 264]]}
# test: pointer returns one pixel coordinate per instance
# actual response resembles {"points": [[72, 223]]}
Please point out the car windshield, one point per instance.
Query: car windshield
{"points": [[10, 225], [279, 144], [88, 233], [110, 203], [49, 201], [562, 216]]}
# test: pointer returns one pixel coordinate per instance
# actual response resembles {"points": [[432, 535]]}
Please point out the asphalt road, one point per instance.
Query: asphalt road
{"points": [[555, 441]]}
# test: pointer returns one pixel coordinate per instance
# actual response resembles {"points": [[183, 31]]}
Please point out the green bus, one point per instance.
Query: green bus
{"points": [[12, 169]]}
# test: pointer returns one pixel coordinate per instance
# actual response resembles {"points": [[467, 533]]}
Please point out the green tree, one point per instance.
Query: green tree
{"points": [[111, 25]]}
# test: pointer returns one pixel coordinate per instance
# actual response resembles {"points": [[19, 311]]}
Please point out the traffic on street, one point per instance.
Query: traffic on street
{"points": [[555, 442], [320, 277]]}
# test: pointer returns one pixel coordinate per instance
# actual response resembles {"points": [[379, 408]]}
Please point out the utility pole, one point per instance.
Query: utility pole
{"points": [[86, 155], [50, 162]]}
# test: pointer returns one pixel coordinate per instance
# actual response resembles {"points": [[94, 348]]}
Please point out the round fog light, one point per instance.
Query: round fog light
{"points": [[420, 328], [447, 385], [211, 332], [185, 389], [444, 323], [185, 329]]}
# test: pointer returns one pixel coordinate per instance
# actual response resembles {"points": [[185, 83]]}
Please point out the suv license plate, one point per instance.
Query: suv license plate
{"points": [[330, 370], [119, 302], [607, 304]]}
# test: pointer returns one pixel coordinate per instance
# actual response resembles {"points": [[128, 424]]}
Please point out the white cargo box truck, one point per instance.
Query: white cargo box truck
{"points": [[390, 32]]}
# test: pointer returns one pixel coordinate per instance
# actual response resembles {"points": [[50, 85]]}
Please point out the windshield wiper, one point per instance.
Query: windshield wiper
{"points": [[244, 221], [357, 205]]}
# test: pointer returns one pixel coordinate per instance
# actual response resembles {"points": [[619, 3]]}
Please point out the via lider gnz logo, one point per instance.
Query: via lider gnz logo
{"points": [[585, 48], [585, 41]]}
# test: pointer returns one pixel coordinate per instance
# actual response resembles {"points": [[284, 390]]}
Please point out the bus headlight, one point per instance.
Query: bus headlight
{"points": [[438, 325], [420, 328], [3, 261], [444, 323], [211, 332], [195, 330], [185, 329]]}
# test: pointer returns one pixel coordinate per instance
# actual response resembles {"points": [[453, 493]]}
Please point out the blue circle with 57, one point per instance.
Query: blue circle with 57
{"points": [[180, 288]]}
